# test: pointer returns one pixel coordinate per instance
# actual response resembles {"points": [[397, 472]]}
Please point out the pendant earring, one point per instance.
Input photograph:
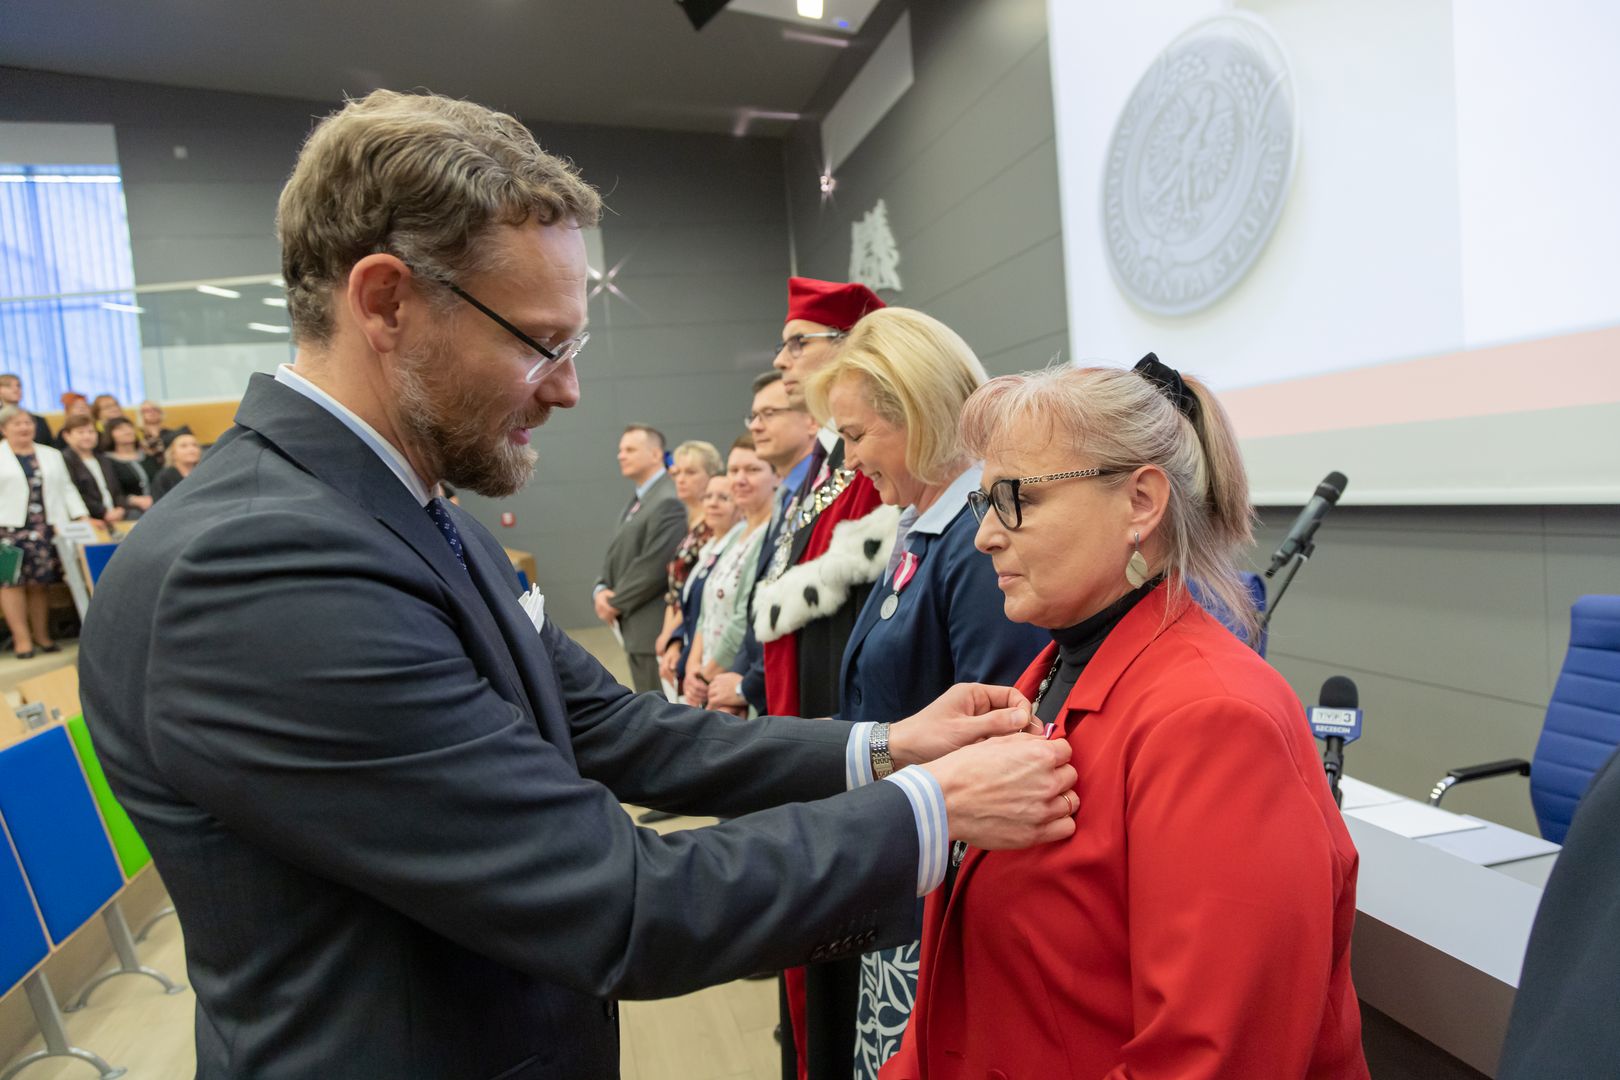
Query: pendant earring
{"points": [[1136, 570]]}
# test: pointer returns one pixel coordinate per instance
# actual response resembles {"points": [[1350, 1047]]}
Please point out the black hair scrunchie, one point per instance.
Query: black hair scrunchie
{"points": [[1170, 383]]}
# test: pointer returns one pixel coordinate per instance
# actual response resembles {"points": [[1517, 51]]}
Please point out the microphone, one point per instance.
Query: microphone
{"points": [[1304, 527], [1336, 721]]}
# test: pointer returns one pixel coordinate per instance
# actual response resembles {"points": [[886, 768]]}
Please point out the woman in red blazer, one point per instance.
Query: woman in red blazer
{"points": [[1196, 926]]}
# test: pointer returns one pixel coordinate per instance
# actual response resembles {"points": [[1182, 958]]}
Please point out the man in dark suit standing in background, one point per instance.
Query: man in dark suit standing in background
{"points": [[383, 790], [630, 593]]}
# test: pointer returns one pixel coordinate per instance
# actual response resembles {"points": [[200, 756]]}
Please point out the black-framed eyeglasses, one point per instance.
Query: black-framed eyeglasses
{"points": [[794, 343], [550, 358], [1003, 494], [767, 414]]}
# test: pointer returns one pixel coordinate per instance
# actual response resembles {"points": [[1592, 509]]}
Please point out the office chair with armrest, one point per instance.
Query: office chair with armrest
{"points": [[1582, 728]]}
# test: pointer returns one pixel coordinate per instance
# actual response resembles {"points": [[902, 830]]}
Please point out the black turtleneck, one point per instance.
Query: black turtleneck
{"points": [[1077, 644]]}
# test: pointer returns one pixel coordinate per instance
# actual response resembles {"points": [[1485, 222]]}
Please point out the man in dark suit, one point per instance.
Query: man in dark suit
{"points": [[11, 394], [635, 574], [382, 790], [1563, 1023]]}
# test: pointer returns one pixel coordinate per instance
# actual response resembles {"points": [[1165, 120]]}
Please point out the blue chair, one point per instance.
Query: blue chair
{"points": [[1257, 593], [24, 947], [1582, 728]]}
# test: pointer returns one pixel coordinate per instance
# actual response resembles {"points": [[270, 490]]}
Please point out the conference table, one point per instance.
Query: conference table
{"points": [[1444, 904]]}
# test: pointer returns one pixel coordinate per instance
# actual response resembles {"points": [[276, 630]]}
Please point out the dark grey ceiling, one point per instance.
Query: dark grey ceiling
{"points": [[631, 63]]}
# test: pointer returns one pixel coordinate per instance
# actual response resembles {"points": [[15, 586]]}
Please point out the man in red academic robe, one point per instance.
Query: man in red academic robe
{"points": [[804, 610]]}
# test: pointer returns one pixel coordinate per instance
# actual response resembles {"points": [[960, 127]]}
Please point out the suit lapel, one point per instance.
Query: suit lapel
{"points": [[319, 444], [492, 575]]}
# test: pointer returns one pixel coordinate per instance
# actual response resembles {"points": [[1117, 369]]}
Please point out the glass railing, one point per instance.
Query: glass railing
{"points": [[182, 342]]}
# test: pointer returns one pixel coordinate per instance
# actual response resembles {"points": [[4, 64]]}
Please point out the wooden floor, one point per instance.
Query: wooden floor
{"points": [[723, 1033]]}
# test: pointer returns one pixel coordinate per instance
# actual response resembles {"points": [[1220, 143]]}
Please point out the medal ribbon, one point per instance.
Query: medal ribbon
{"points": [[906, 570]]}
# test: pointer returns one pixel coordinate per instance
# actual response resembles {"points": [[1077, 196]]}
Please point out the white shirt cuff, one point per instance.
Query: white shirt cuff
{"points": [[933, 834], [858, 756]]}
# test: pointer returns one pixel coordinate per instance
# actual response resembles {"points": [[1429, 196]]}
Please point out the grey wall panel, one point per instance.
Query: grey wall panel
{"points": [[1452, 621], [996, 222], [203, 208], [1028, 355], [1009, 303], [964, 163], [683, 302]]}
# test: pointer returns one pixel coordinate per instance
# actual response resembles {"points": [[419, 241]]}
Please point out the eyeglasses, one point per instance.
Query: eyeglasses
{"points": [[795, 343], [766, 415], [1004, 494], [550, 359]]}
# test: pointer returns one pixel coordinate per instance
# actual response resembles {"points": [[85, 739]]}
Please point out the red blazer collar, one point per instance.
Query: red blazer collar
{"points": [[1140, 627]]}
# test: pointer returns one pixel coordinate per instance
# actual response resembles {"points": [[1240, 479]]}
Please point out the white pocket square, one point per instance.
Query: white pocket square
{"points": [[534, 606]]}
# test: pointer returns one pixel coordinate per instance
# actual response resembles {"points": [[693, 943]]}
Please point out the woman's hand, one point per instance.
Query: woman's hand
{"points": [[141, 502], [696, 688], [667, 661]]}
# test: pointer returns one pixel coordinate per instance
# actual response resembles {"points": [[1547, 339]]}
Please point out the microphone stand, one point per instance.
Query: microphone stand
{"points": [[1289, 570]]}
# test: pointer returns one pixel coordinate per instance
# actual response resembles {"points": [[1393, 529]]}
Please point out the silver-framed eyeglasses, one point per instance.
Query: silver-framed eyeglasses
{"points": [[551, 357], [794, 343], [1003, 494], [767, 414]]}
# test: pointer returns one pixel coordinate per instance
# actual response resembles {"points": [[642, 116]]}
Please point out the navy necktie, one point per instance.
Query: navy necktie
{"points": [[452, 536]]}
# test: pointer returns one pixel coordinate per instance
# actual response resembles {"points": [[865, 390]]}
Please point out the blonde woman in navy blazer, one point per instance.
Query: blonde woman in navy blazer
{"points": [[935, 619]]}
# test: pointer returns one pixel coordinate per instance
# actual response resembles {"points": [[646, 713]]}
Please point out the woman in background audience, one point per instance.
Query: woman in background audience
{"points": [[73, 404], [136, 468], [182, 456], [725, 593], [720, 515], [93, 474], [894, 392], [694, 463], [155, 438], [103, 409], [36, 497]]}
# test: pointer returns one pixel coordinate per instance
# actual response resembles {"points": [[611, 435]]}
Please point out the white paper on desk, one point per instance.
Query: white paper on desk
{"points": [[1359, 793], [534, 606], [1492, 844], [1414, 819]]}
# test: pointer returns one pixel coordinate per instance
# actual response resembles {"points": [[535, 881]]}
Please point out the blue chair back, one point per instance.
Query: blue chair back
{"points": [[96, 557], [22, 939], [1257, 593], [1583, 718], [48, 810]]}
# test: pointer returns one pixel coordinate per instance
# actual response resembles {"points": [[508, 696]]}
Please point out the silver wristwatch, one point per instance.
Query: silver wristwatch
{"points": [[882, 763]]}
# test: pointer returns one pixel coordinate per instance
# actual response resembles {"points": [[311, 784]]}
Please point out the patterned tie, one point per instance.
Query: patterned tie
{"points": [[452, 536]]}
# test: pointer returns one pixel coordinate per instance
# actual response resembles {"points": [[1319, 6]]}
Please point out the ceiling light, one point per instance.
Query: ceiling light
{"points": [[215, 290], [810, 9], [267, 328], [828, 184], [131, 308], [276, 301], [48, 178]]}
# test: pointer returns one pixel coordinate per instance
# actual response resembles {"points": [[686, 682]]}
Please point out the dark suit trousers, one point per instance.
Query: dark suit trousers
{"points": [[644, 672]]}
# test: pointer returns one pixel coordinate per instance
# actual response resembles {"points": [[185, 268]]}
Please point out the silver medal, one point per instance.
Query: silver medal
{"points": [[890, 605]]}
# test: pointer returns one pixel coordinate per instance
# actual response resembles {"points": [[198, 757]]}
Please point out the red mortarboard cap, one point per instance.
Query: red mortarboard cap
{"points": [[837, 304]]}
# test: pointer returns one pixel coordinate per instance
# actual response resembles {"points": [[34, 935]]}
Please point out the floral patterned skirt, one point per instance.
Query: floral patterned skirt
{"points": [[888, 989], [40, 565]]}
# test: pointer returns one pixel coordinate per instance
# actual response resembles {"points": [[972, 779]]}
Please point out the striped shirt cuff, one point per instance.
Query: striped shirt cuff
{"points": [[933, 837], [858, 756]]}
